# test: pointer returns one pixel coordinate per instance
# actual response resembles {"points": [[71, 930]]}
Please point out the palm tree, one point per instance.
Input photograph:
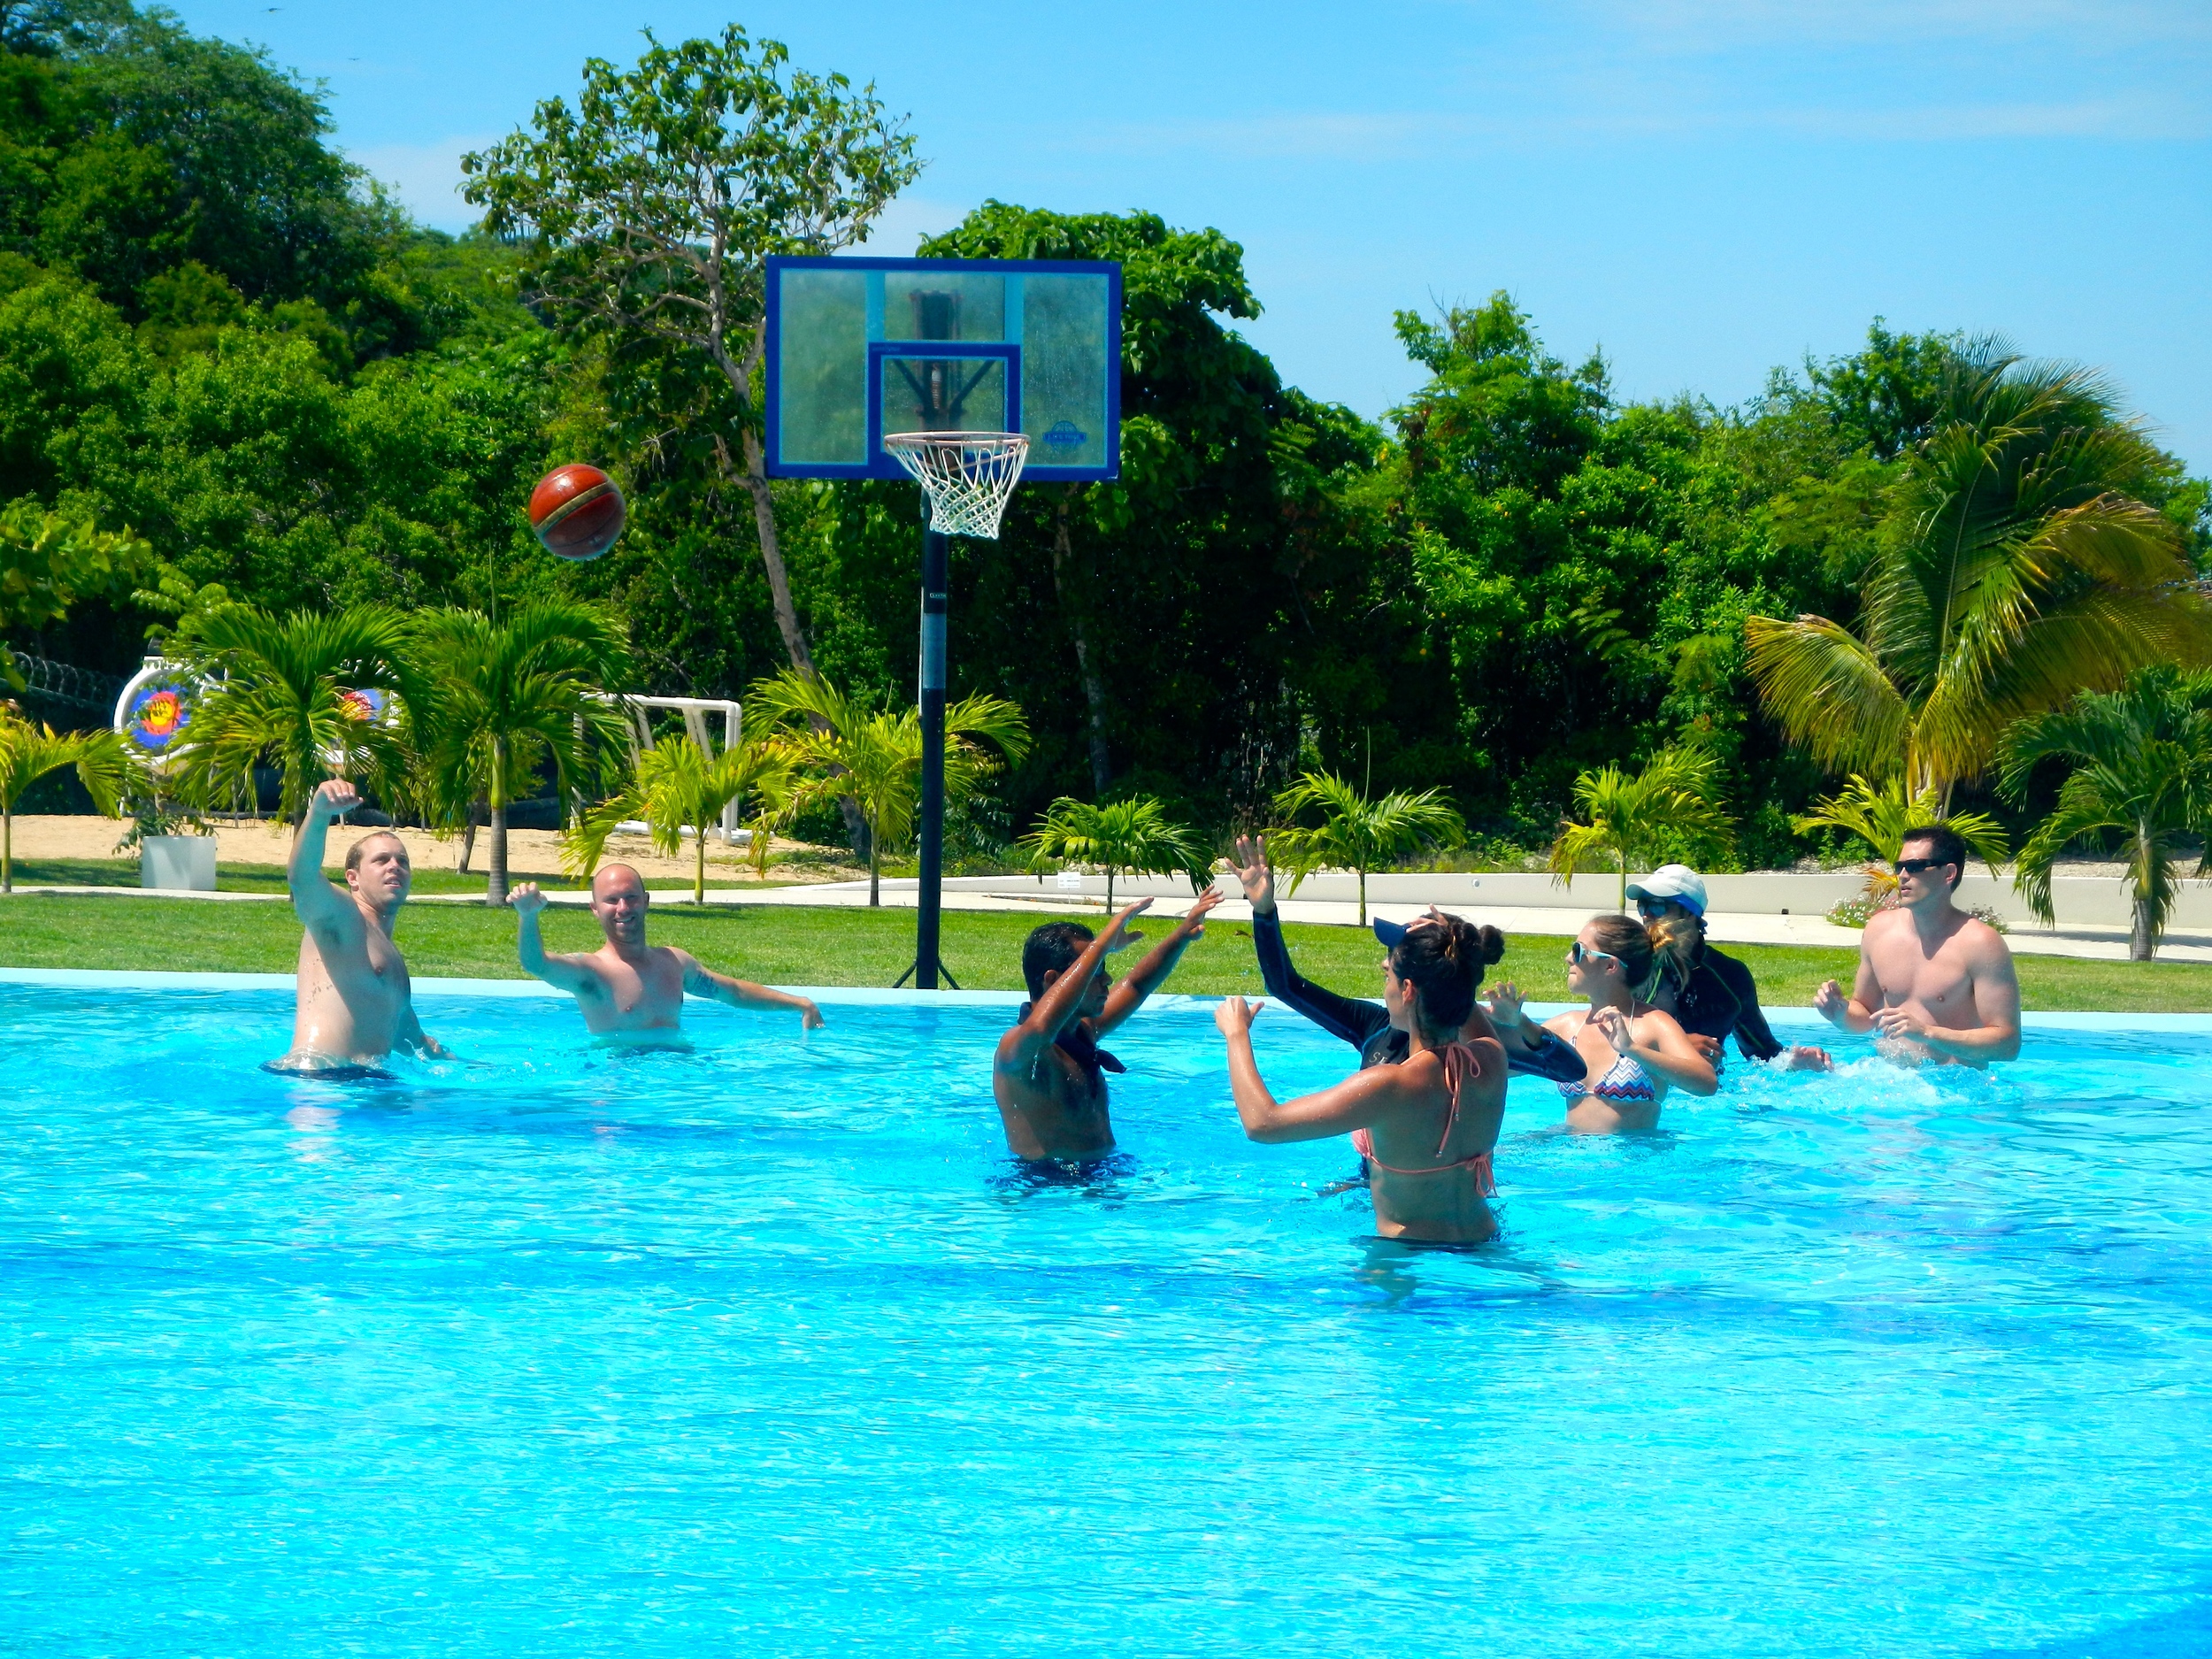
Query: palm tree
{"points": [[2015, 570], [280, 693], [875, 759], [1354, 832], [1882, 814], [29, 752], [1630, 816], [2144, 768], [505, 698], [1134, 834], [680, 786]]}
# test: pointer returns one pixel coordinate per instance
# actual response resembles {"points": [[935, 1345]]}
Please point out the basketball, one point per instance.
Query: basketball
{"points": [[577, 512]]}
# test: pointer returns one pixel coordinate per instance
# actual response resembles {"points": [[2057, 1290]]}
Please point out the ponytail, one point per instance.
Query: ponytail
{"points": [[1443, 962], [1677, 942]]}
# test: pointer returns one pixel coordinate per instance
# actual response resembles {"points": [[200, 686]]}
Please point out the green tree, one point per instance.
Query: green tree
{"points": [[278, 695], [654, 202], [875, 759], [2142, 768], [1882, 814], [50, 560], [680, 786], [29, 752], [501, 700], [1354, 832], [1129, 574], [1134, 834], [1630, 817], [2015, 568]]}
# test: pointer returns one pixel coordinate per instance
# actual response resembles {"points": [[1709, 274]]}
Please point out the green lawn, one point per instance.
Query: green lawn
{"points": [[865, 948]]}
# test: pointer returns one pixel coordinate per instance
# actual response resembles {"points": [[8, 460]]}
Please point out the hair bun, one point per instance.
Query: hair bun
{"points": [[1489, 946]]}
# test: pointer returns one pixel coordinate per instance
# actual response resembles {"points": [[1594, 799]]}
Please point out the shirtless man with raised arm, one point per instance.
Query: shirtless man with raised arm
{"points": [[627, 989], [1049, 1074], [356, 1005], [1933, 983]]}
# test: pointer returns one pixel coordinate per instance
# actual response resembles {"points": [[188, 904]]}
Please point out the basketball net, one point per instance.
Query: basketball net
{"points": [[969, 475]]}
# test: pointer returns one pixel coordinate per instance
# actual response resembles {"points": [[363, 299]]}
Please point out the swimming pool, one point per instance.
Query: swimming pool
{"points": [[768, 1348]]}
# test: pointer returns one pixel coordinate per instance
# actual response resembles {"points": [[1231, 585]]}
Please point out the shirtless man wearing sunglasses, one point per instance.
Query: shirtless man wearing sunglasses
{"points": [[1933, 983]]}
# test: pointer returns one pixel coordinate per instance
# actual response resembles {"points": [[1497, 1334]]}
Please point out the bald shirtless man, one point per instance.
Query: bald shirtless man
{"points": [[1934, 984], [356, 1004], [629, 991], [1049, 1074]]}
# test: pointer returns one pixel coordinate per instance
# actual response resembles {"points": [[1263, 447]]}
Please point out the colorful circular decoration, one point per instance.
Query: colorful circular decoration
{"points": [[157, 713], [367, 706]]}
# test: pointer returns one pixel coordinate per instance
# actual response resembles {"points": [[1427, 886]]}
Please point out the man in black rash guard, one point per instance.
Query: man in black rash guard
{"points": [[1710, 995], [1366, 1026]]}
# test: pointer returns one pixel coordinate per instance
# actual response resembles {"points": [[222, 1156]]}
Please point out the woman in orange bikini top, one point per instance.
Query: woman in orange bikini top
{"points": [[1426, 1128]]}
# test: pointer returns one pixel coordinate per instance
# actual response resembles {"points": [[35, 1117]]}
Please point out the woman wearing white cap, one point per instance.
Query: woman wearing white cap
{"points": [[1711, 995]]}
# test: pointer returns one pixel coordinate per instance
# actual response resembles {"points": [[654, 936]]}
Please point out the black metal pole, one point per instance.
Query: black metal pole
{"points": [[935, 579]]}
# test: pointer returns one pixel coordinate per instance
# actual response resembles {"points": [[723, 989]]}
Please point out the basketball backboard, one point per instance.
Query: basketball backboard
{"points": [[860, 347]]}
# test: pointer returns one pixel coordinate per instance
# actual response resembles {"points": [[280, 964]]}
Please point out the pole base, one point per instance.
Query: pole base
{"points": [[913, 971]]}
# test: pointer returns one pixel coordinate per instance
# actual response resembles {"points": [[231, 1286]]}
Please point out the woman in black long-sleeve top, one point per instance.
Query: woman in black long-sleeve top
{"points": [[1711, 995], [1366, 1026]]}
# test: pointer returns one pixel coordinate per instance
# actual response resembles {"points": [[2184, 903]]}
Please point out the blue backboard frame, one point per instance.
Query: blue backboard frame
{"points": [[1040, 468]]}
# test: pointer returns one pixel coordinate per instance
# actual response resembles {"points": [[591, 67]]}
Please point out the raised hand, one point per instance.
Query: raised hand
{"points": [[1830, 1002], [526, 900], [1119, 936], [1233, 1015], [1614, 1027], [1895, 1022], [332, 799], [1503, 1005], [1193, 923], [1252, 875]]}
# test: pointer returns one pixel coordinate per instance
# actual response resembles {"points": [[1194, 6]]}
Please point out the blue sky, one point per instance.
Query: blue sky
{"points": [[1703, 190]]}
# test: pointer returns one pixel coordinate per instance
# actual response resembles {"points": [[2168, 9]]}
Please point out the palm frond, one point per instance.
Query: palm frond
{"points": [[1355, 833], [1828, 691]]}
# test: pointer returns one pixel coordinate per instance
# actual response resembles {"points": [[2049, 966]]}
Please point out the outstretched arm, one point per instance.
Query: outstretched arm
{"points": [[1529, 1047], [1344, 1017], [1147, 976], [1063, 1001], [322, 907], [567, 973], [719, 987], [1358, 1102]]}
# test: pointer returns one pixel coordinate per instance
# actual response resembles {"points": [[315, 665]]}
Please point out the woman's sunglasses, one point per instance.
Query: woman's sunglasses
{"points": [[1652, 909], [1578, 953]]}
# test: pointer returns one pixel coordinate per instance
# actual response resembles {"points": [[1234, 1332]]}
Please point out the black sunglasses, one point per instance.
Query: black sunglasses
{"points": [[1914, 866]]}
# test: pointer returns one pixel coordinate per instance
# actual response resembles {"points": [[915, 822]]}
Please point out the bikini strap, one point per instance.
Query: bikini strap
{"points": [[1460, 1063]]}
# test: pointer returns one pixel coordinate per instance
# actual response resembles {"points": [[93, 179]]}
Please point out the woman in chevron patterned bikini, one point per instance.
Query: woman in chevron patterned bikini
{"points": [[1635, 1052]]}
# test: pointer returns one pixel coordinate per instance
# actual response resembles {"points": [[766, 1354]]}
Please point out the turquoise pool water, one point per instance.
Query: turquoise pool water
{"points": [[767, 1348]]}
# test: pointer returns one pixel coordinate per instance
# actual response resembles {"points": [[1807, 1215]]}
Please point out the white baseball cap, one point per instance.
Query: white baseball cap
{"points": [[1672, 881]]}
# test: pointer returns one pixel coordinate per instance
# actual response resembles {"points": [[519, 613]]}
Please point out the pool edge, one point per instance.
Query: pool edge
{"points": [[850, 995]]}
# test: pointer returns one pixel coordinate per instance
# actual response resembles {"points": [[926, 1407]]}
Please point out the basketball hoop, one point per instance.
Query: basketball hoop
{"points": [[969, 475]]}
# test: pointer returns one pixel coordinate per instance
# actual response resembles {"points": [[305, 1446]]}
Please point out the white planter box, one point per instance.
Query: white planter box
{"points": [[178, 864]]}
